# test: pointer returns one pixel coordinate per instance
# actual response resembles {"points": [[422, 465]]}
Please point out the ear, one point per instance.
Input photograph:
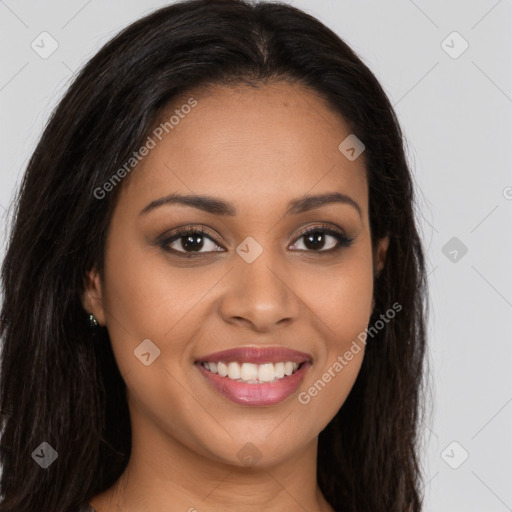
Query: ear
{"points": [[379, 259], [92, 297], [380, 255]]}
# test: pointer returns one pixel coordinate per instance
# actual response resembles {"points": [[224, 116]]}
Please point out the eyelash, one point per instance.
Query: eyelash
{"points": [[342, 239]]}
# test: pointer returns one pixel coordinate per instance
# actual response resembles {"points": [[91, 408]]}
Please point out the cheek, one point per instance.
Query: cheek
{"points": [[342, 296], [144, 292], [146, 297], [343, 303], [137, 300]]}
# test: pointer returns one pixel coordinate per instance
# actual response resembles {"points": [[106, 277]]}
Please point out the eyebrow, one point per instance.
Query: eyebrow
{"points": [[219, 207]]}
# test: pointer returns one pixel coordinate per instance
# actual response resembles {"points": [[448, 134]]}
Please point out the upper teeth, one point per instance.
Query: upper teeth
{"points": [[252, 373]]}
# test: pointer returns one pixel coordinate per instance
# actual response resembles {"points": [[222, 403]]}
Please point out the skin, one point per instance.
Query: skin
{"points": [[258, 149]]}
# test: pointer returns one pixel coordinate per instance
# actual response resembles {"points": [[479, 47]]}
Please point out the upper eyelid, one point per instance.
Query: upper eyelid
{"points": [[184, 230]]}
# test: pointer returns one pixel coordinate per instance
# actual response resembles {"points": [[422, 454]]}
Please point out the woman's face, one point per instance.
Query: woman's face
{"points": [[251, 279]]}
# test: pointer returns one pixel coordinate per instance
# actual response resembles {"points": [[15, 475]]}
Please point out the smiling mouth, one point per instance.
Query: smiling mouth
{"points": [[250, 373], [255, 376]]}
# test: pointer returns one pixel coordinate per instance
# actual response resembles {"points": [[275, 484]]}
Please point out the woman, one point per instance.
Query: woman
{"points": [[214, 290]]}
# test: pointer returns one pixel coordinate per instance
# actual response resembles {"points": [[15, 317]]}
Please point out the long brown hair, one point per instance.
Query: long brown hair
{"points": [[61, 386]]}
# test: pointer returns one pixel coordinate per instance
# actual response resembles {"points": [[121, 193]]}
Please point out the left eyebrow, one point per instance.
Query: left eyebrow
{"points": [[206, 203], [307, 203], [219, 207]]}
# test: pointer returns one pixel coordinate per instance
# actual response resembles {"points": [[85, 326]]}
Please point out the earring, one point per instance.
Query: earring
{"points": [[93, 323]]}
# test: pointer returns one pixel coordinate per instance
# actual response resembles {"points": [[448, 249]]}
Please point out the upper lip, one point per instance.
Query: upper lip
{"points": [[257, 355]]}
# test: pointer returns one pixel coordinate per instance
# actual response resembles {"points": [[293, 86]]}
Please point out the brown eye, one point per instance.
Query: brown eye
{"points": [[190, 241], [316, 238], [187, 241]]}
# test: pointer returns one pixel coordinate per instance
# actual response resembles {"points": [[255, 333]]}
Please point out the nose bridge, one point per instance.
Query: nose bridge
{"points": [[258, 289]]}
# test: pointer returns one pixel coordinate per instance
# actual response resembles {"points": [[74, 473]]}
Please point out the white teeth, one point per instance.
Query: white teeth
{"points": [[252, 373], [222, 369], [234, 371], [266, 372], [249, 371]]}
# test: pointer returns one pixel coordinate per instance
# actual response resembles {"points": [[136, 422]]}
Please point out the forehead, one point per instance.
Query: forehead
{"points": [[248, 145]]}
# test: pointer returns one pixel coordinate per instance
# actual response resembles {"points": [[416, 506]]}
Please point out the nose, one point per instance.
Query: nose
{"points": [[261, 294]]}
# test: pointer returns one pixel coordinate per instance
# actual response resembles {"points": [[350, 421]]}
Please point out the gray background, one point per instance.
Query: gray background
{"points": [[456, 114]]}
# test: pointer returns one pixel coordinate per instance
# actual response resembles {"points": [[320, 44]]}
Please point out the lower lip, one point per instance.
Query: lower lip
{"points": [[268, 393]]}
